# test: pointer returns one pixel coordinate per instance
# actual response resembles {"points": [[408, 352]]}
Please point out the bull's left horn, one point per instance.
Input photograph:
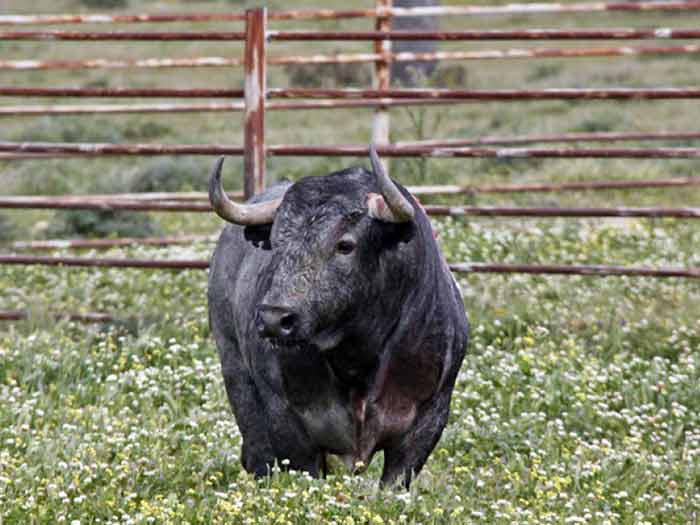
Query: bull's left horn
{"points": [[244, 214], [398, 208]]}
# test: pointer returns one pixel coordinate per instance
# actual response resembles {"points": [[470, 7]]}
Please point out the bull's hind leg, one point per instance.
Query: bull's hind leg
{"points": [[405, 458]]}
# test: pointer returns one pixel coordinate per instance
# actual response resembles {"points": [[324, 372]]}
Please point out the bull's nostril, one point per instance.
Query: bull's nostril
{"points": [[276, 321], [287, 323]]}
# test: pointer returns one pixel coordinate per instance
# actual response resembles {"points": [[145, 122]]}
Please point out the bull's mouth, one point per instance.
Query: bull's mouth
{"points": [[327, 339], [321, 341]]}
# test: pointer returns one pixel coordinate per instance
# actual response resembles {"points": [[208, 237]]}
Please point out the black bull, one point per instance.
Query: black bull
{"points": [[339, 326]]}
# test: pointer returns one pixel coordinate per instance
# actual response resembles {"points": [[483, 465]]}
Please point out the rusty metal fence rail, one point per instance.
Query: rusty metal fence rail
{"points": [[328, 14], [257, 99]]}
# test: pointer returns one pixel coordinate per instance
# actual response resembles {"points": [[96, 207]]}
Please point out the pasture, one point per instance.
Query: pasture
{"points": [[579, 399]]}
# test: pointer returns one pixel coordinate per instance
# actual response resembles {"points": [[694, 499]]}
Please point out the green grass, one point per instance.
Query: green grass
{"points": [[578, 401]]}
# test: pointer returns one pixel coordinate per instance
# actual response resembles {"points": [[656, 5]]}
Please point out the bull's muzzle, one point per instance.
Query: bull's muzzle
{"points": [[277, 322]]}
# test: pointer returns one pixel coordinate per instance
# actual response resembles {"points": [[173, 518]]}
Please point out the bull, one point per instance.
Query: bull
{"points": [[339, 327]]}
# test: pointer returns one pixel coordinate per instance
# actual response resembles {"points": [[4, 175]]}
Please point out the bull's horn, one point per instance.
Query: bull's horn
{"points": [[398, 208], [245, 214]]}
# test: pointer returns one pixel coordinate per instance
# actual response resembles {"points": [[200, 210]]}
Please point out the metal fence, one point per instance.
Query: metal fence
{"points": [[257, 99]]}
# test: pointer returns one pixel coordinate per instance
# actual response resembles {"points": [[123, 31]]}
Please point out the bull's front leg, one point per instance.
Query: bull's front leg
{"points": [[271, 431], [257, 453]]}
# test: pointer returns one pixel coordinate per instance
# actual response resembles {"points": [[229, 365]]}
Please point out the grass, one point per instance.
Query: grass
{"points": [[578, 401]]}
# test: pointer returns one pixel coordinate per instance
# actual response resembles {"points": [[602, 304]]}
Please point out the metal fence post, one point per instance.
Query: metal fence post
{"points": [[255, 90], [382, 69]]}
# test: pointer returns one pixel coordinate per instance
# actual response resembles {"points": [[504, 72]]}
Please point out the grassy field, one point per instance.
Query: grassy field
{"points": [[578, 401]]}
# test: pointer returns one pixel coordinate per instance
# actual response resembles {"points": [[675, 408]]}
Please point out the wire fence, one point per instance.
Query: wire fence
{"points": [[256, 99]]}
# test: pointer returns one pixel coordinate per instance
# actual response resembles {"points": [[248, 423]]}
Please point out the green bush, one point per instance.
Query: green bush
{"points": [[8, 229], [84, 129], [169, 174], [101, 224], [105, 4], [328, 75]]}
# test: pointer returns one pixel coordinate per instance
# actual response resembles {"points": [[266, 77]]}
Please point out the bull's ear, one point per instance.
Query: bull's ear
{"points": [[377, 208]]}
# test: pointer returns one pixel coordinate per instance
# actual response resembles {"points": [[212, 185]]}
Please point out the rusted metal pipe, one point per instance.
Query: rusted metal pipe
{"points": [[503, 211], [495, 95], [97, 244], [469, 267], [622, 33], [430, 94], [88, 149], [439, 210], [73, 203], [587, 269], [129, 201], [556, 187], [255, 89], [603, 136], [57, 35], [348, 58], [184, 264], [11, 91], [118, 63], [212, 107], [330, 14], [469, 152]]}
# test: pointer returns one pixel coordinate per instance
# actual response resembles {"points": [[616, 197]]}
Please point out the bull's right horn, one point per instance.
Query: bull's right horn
{"points": [[391, 205], [244, 214]]}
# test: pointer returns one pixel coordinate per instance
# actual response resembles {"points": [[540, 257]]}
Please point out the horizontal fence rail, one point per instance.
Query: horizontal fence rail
{"points": [[440, 210], [172, 36], [92, 149], [502, 211], [590, 269], [600, 136], [469, 267], [347, 58], [622, 33], [328, 14], [6, 91], [690, 92], [141, 202], [212, 106], [313, 93], [103, 244]]}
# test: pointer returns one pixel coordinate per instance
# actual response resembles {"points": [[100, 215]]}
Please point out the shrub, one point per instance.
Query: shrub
{"points": [[101, 223], [328, 75], [71, 130], [168, 174], [105, 4], [8, 229]]}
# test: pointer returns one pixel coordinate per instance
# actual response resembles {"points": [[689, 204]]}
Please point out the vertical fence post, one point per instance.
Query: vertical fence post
{"points": [[255, 90], [382, 76]]}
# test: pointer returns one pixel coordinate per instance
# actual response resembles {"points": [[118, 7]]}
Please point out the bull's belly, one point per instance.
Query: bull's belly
{"points": [[354, 432], [330, 426]]}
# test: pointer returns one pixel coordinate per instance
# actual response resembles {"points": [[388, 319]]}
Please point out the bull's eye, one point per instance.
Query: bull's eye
{"points": [[345, 246]]}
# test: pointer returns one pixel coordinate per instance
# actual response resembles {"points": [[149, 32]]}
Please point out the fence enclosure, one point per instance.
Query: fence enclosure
{"points": [[257, 99]]}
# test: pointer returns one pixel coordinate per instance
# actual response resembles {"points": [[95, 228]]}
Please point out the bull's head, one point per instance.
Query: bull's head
{"points": [[327, 252]]}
